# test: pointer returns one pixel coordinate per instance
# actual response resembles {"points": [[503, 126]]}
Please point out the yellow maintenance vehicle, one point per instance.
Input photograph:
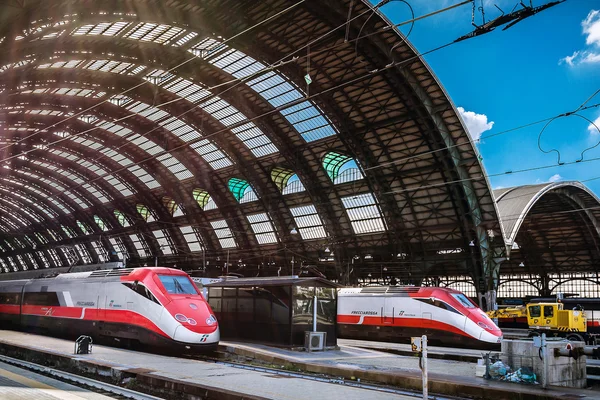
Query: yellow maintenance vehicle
{"points": [[550, 318]]}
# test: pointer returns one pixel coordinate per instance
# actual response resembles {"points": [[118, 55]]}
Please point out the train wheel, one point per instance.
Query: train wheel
{"points": [[575, 337]]}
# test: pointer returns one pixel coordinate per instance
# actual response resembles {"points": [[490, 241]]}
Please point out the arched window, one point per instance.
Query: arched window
{"points": [[84, 228], [145, 212], [286, 180], [100, 223], [122, 219], [242, 191], [172, 207], [204, 200], [341, 168], [68, 231]]}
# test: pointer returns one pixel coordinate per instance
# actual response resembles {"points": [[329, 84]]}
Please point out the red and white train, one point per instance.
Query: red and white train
{"points": [[392, 314], [158, 307]]}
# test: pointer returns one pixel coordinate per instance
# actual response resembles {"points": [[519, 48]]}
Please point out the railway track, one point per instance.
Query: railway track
{"points": [[92, 385]]}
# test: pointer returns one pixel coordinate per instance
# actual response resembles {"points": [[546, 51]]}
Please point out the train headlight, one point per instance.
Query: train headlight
{"points": [[211, 320], [484, 326], [181, 318], [193, 306], [191, 321]]}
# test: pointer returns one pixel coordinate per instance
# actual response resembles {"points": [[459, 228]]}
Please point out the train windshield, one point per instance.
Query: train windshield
{"points": [[177, 284], [463, 300]]}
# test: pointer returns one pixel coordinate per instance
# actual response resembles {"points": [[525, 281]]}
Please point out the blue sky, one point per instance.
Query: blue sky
{"points": [[510, 78]]}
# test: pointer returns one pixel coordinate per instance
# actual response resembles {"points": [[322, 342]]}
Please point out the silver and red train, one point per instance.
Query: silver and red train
{"points": [[393, 313], [159, 307]]}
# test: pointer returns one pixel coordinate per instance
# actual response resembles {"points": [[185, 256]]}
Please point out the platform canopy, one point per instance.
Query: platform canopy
{"points": [[551, 228], [272, 134]]}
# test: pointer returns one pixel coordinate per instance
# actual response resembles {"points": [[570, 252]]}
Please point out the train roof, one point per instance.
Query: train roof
{"points": [[105, 273], [424, 290], [274, 281]]}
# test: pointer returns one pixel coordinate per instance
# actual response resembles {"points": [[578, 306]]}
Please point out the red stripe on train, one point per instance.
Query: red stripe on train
{"points": [[93, 314], [402, 323], [9, 309]]}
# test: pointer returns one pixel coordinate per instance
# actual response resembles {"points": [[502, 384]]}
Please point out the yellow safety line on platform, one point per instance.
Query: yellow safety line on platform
{"points": [[33, 384]]}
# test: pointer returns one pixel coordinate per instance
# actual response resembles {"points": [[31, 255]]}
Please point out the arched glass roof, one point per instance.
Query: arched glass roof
{"points": [[171, 134]]}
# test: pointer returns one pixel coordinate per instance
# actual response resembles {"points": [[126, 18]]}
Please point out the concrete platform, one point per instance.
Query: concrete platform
{"points": [[443, 353], [451, 378], [181, 375], [19, 384]]}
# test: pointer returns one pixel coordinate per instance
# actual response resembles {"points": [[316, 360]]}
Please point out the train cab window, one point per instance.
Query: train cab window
{"points": [[548, 311], [175, 284], [463, 300], [141, 290], [440, 304], [535, 311]]}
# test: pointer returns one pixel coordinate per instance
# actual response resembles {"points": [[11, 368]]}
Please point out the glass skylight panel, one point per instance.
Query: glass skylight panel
{"points": [[118, 247], [211, 154], [21, 207], [55, 258], [84, 228], [4, 265], [12, 264], [53, 235], [101, 224], [22, 262], [262, 228], [96, 193], [308, 222], [41, 238], [163, 242], [118, 185], [364, 213], [276, 89], [83, 253], [52, 35], [224, 234], [139, 245], [144, 176], [180, 42], [100, 251], [43, 258], [192, 238], [68, 231], [32, 260], [174, 166]]}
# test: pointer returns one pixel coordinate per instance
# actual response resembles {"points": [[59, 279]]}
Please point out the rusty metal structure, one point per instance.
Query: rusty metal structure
{"points": [[257, 137]]}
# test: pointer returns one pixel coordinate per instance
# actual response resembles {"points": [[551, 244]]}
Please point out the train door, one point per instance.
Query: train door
{"points": [[427, 318], [388, 311], [101, 307]]}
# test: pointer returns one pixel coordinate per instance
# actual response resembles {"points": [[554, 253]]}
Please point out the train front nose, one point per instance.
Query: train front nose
{"points": [[491, 337], [185, 335]]}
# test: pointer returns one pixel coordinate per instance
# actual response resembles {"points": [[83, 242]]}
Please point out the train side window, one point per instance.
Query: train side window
{"points": [[548, 311], [41, 299], [141, 290], [9, 298], [535, 311]]}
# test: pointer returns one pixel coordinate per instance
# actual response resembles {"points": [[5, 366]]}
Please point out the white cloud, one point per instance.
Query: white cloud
{"points": [[555, 178], [591, 29], [593, 130], [476, 123]]}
